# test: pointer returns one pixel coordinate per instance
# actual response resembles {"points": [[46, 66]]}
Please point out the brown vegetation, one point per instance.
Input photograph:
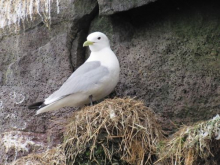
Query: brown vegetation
{"points": [[124, 129]]}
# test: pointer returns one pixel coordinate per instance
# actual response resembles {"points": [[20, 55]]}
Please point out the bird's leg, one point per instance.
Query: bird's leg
{"points": [[90, 98]]}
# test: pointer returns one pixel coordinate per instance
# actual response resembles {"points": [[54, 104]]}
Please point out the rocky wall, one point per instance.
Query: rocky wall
{"points": [[168, 52]]}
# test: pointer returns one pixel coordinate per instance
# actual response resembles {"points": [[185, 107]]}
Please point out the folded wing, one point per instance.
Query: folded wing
{"points": [[83, 79]]}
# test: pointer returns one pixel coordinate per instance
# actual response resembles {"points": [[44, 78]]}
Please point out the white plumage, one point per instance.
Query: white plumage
{"points": [[97, 77]]}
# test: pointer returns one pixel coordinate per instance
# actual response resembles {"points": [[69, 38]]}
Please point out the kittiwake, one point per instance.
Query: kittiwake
{"points": [[93, 80]]}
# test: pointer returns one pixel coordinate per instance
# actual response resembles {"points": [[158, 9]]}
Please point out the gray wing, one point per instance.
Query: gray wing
{"points": [[82, 79]]}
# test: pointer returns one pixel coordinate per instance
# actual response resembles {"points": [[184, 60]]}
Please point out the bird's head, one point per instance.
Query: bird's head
{"points": [[96, 41]]}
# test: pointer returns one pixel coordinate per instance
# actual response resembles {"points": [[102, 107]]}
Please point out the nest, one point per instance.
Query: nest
{"points": [[124, 131], [193, 145], [117, 129]]}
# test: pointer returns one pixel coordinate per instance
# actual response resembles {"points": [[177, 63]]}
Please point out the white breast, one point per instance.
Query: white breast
{"points": [[108, 59]]}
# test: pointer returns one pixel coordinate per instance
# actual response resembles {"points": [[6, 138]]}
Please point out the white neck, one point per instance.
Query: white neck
{"points": [[105, 56], [98, 47]]}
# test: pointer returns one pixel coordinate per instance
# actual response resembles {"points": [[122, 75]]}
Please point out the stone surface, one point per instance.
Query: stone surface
{"points": [[107, 7], [168, 52], [169, 58], [15, 144], [35, 63]]}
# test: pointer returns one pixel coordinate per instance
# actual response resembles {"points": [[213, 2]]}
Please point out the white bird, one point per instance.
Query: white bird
{"points": [[92, 81]]}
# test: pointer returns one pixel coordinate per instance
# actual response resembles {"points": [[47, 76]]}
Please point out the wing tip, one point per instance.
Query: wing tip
{"points": [[37, 105]]}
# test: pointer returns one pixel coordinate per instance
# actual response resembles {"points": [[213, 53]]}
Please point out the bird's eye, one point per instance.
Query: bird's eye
{"points": [[99, 38]]}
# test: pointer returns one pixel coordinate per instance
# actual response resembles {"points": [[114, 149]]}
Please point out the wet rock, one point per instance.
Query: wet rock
{"points": [[36, 62], [107, 7], [167, 58], [168, 52]]}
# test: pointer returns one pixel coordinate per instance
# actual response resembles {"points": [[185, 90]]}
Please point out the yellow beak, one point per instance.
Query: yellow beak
{"points": [[87, 43]]}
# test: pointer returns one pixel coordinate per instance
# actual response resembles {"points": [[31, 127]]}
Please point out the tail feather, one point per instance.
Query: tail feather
{"points": [[37, 105]]}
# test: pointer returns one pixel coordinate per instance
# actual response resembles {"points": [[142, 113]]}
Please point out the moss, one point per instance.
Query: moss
{"points": [[192, 56], [198, 40], [114, 131], [99, 157]]}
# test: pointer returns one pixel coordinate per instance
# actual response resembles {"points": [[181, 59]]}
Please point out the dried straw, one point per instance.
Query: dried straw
{"points": [[192, 144], [115, 129], [122, 127]]}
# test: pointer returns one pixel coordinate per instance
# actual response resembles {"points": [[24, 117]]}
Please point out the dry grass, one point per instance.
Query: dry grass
{"points": [[126, 131], [192, 144], [54, 156], [116, 129], [122, 127]]}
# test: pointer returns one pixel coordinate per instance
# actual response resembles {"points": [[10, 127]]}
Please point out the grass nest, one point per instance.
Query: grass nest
{"points": [[125, 132], [115, 129], [193, 145]]}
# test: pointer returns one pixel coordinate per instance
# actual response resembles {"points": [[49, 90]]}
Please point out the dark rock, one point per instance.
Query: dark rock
{"points": [[107, 7], [169, 58], [0, 77], [36, 62], [168, 52]]}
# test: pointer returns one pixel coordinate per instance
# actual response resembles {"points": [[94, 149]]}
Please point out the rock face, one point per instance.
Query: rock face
{"points": [[36, 62], [107, 7], [168, 52], [169, 56]]}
